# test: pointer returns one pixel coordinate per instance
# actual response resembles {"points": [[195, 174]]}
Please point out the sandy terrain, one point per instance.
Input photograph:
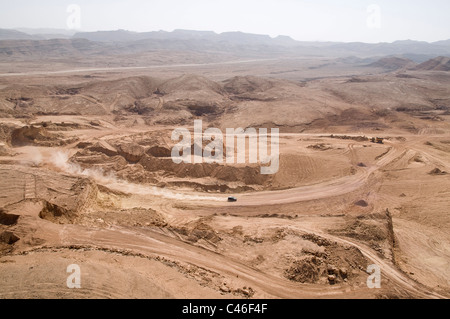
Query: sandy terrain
{"points": [[86, 178]]}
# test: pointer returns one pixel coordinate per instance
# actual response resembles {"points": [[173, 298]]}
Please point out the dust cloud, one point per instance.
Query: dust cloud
{"points": [[61, 161]]}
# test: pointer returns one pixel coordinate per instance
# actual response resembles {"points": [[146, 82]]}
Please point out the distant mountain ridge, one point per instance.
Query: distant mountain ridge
{"points": [[232, 37], [6, 34], [236, 43]]}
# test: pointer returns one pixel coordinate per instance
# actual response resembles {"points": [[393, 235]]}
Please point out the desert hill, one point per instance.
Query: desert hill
{"points": [[437, 64], [250, 84], [248, 101], [136, 87], [190, 83], [393, 63]]}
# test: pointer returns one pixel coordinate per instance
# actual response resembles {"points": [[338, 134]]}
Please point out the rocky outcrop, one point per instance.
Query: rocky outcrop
{"points": [[103, 147], [132, 152], [159, 151], [8, 238]]}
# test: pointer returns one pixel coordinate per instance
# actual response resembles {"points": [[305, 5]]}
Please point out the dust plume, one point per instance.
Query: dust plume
{"points": [[61, 161]]}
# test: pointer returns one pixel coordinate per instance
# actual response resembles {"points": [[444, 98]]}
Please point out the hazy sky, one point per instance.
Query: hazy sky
{"points": [[309, 20]]}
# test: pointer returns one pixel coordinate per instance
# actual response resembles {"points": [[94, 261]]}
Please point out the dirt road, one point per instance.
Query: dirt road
{"points": [[166, 66], [164, 243]]}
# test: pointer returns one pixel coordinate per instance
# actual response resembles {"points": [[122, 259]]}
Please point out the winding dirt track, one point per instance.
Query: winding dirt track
{"points": [[332, 188], [152, 242], [157, 243], [327, 189]]}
